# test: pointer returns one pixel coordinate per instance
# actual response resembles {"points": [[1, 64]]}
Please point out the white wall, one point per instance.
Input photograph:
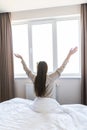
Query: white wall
{"points": [[45, 13], [68, 91]]}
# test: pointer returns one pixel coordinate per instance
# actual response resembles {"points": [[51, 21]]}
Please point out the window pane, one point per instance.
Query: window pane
{"points": [[42, 45], [20, 46], [68, 37]]}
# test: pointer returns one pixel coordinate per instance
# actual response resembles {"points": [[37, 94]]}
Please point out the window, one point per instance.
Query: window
{"points": [[47, 40], [42, 45], [20, 46], [67, 37]]}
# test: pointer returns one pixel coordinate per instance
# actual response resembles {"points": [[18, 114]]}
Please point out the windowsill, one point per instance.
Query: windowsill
{"points": [[20, 77], [70, 77], [62, 77]]}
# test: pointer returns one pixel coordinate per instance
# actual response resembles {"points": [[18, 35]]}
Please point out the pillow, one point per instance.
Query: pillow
{"points": [[45, 105]]}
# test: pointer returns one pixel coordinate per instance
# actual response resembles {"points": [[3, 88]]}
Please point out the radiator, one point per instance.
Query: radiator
{"points": [[30, 94]]}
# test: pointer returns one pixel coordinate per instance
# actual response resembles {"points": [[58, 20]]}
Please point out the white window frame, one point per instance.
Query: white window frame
{"points": [[73, 17], [54, 31]]}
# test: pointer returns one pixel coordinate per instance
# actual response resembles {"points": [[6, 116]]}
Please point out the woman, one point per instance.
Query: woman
{"points": [[44, 84]]}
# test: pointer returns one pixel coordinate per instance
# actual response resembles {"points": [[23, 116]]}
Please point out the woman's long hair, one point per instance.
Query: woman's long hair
{"points": [[40, 80]]}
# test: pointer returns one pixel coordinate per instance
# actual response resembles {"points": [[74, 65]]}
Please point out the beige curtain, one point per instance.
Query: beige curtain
{"points": [[6, 58], [84, 52]]}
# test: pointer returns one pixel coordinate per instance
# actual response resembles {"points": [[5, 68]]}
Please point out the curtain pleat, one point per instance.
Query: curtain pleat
{"points": [[6, 58], [84, 52]]}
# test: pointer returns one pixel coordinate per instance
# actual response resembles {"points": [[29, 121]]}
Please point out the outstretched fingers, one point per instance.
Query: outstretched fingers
{"points": [[18, 56]]}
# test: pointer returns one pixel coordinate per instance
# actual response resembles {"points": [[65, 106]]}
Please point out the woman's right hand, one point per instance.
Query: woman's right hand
{"points": [[18, 56]]}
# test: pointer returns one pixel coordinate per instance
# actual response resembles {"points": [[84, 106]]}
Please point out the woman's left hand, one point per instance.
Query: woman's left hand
{"points": [[73, 50]]}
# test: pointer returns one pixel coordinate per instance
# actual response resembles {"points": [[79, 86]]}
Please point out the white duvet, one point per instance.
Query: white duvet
{"points": [[41, 114]]}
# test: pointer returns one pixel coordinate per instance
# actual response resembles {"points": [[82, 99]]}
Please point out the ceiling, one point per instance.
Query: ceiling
{"points": [[21, 5]]}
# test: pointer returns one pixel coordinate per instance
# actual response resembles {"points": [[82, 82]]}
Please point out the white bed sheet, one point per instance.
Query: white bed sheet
{"points": [[17, 114]]}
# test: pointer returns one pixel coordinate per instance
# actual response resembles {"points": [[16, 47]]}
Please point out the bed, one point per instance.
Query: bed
{"points": [[46, 114]]}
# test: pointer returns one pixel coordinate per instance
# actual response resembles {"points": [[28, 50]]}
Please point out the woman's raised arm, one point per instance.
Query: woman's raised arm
{"points": [[58, 72], [26, 69]]}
